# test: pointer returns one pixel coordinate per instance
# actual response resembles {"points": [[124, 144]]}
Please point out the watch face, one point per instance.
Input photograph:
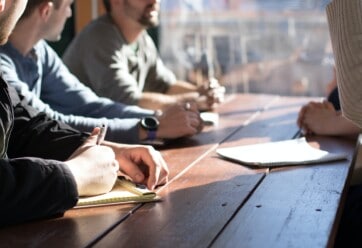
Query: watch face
{"points": [[149, 123]]}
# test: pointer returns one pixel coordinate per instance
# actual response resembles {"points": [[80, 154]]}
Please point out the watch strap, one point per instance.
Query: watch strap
{"points": [[151, 134]]}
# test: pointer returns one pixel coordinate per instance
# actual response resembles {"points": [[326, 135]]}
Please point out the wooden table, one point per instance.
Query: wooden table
{"points": [[211, 202]]}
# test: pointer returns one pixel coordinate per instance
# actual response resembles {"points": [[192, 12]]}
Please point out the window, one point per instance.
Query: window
{"points": [[260, 46]]}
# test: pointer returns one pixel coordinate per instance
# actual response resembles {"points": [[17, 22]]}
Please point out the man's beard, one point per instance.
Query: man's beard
{"points": [[149, 22]]}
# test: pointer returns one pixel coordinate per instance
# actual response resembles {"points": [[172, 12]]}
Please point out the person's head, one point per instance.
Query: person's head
{"points": [[10, 11], [144, 12], [54, 14]]}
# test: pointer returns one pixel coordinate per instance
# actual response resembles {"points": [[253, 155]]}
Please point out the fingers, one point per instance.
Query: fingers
{"points": [[213, 97], [191, 106], [89, 142], [115, 165], [144, 165], [302, 120], [311, 106], [301, 114], [134, 171], [94, 168], [328, 105], [216, 95], [203, 104], [193, 119], [154, 174], [194, 123], [92, 139], [211, 94], [314, 117], [150, 173]]}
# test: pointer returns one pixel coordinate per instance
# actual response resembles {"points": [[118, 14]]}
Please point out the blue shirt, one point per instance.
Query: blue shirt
{"points": [[46, 83]]}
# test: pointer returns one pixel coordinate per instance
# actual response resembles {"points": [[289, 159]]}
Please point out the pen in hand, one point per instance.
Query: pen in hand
{"points": [[102, 134]]}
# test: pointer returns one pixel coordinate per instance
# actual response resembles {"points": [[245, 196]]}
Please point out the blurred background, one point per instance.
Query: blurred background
{"points": [[257, 46], [260, 46]]}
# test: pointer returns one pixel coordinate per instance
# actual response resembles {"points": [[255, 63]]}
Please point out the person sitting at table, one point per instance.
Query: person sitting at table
{"points": [[122, 63], [46, 165], [346, 16], [325, 118], [36, 71]]}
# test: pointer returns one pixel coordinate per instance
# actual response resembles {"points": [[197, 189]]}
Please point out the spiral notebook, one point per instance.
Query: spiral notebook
{"points": [[280, 153], [124, 191]]}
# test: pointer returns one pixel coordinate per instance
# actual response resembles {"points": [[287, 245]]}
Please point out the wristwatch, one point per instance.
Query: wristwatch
{"points": [[150, 124]]}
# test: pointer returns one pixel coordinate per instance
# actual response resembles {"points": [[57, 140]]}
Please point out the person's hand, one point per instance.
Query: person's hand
{"points": [[318, 118], [179, 120], [142, 164], [210, 95], [94, 167]]}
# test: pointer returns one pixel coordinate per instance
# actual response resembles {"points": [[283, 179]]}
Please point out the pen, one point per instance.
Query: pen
{"points": [[102, 134]]}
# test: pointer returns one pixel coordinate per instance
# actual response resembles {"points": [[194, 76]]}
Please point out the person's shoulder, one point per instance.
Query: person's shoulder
{"points": [[9, 54], [44, 48], [42, 44], [97, 27], [100, 31], [99, 35], [7, 48]]}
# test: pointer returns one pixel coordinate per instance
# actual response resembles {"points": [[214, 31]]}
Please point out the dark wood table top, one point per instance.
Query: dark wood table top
{"points": [[211, 202]]}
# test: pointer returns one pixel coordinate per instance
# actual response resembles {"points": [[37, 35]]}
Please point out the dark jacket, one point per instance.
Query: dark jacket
{"points": [[34, 183]]}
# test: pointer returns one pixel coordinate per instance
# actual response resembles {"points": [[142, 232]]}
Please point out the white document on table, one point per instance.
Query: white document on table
{"points": [[280, 153]]}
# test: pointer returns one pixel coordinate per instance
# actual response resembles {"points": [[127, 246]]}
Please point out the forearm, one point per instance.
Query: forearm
{"points": [[346, 127], [119, 130], [336, 126], [151, 100], [181, 87]]}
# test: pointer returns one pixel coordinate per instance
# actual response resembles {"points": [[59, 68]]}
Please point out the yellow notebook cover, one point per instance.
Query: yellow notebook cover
{"points": [[124, 191]]}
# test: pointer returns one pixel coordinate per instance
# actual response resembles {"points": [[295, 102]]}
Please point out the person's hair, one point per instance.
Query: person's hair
{"points": [[32, 4], [107, 5]]}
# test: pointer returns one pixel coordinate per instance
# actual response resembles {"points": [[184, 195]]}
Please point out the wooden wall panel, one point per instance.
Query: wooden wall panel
{"points": [[85, 11]]}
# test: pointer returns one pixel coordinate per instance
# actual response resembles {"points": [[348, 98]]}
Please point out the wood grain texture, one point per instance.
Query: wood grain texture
{"points": [[195, 208], [213, 202], [295, 207], [77, 228], [192, 217]]}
